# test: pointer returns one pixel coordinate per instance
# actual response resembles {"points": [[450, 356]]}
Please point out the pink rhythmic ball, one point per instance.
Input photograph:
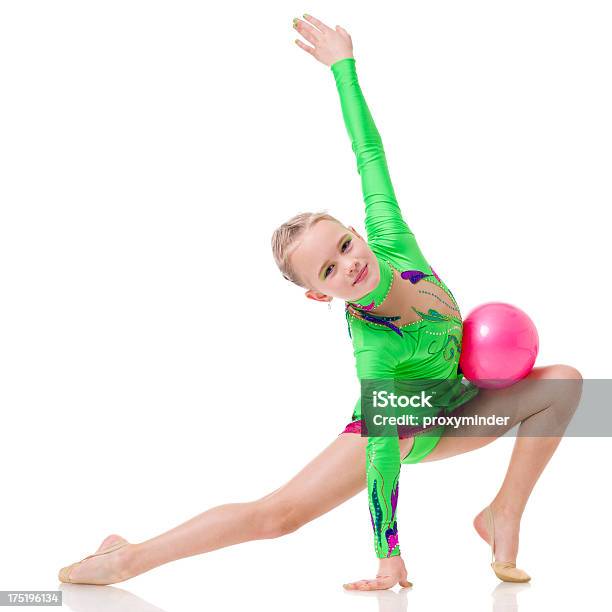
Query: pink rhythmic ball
{"points": [[499, 346]]}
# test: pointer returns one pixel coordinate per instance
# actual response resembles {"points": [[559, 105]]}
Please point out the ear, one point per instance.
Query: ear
{"points": [[355, 232], [317, 296]]}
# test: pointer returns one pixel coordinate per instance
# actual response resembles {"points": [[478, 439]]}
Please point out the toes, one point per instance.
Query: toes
{"points": [[64, 573]]}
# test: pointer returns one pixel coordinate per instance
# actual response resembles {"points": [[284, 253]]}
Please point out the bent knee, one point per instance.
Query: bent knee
{"points": [[562, 371], [566, 382], [279, 517], [572, 383], [568, 390]]}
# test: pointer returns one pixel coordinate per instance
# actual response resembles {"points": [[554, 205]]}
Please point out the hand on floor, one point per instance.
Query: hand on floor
{"points": [[391, 571]]}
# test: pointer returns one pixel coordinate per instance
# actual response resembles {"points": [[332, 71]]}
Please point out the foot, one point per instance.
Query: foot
{"points": [[507, 526], [104, 569], [391, 571]]}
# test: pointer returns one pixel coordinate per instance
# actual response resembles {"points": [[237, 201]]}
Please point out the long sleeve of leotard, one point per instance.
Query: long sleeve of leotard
{"points": [[383, 214], [387, 229], [376, 362]]}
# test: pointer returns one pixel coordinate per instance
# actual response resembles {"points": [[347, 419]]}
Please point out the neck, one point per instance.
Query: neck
{"points": [[375, 298]]}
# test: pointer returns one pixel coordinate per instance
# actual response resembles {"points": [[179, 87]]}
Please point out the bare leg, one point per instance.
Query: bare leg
{"points": [[315, 490], [538, 407]]}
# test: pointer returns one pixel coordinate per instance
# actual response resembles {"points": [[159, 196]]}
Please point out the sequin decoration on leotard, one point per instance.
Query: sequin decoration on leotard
{"points": [[414, 276], [366, 316], [391, 534]]}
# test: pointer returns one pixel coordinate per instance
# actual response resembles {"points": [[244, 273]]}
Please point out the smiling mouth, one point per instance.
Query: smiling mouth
{"points": [[361, 275]]}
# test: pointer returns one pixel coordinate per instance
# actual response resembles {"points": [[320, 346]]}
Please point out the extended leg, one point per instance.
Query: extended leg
{"points": [[315, 490]]}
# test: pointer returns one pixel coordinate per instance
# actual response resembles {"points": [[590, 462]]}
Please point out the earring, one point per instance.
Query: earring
{"points": [[329, 306]]}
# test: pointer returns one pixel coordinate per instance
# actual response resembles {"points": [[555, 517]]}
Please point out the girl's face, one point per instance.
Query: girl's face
{"points": [[335, 261]]}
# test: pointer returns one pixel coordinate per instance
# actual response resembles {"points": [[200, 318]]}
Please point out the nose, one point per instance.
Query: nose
{"points": [[352, 269]]}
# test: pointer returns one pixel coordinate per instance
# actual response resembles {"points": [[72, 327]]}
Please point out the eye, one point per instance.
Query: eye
{"points": [[327, 271], [346, 244]]}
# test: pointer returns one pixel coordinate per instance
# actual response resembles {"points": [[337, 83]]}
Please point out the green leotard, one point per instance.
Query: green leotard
{"points": [[428, 348]]}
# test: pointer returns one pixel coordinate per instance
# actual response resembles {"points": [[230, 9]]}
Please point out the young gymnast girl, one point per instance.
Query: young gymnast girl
{"points": [[404, 324]]}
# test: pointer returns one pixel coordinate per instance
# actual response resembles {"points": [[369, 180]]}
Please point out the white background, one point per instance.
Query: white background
{"points": [[154, 363]]}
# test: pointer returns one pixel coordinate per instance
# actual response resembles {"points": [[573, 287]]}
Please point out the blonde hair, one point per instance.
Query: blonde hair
{"points": [[286, 235]]}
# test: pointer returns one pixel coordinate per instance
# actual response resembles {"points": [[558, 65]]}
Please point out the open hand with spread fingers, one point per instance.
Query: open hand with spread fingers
{"points": [[329, 45]]}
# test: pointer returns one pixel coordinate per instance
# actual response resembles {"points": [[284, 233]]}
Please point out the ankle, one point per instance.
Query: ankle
{"points": [[507, 510]]}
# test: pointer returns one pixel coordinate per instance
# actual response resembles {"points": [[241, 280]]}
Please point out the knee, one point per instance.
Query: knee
{"points": [[278, 517], [566, 372], [568, 389], [572, 382]]}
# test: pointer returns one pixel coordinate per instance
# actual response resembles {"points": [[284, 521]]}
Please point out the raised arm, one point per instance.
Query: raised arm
{"points": [[383, 217], [334, 48]]}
